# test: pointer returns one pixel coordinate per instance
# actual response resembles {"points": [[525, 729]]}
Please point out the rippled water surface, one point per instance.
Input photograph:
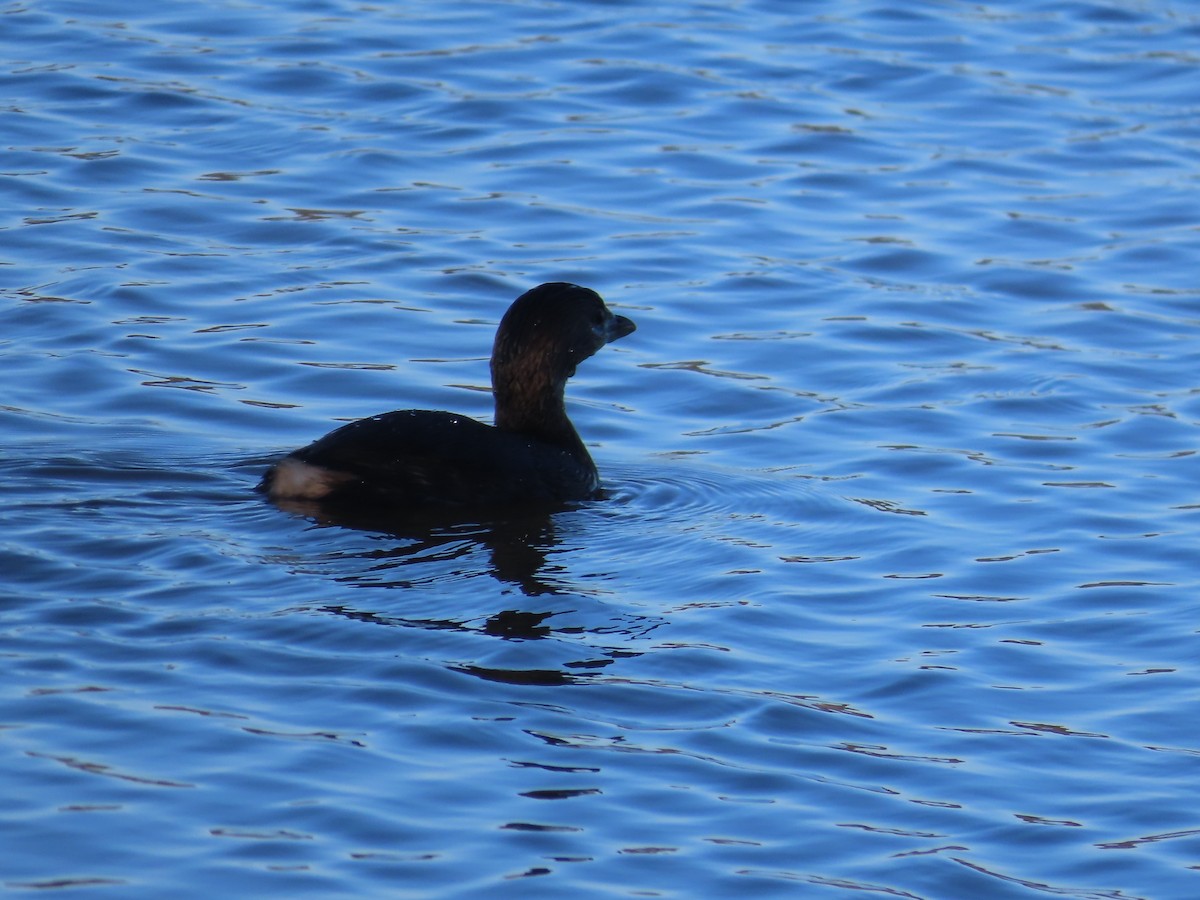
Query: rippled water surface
{"points": [[895, 589]]}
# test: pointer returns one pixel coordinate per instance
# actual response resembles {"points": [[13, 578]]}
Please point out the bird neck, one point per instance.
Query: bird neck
{"points": [[538, 412]]}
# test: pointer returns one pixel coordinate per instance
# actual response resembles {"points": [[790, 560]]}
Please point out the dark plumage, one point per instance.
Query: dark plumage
{"points": [[415, 458]]}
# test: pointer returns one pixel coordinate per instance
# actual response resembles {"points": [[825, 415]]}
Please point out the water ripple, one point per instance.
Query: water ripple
{"points": [[900, 463]]}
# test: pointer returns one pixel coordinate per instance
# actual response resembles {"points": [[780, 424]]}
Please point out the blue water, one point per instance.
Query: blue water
{"points": [[895, 590]]}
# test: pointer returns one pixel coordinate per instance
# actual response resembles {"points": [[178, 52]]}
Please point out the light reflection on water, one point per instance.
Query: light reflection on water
{"points": [[893, 588]]}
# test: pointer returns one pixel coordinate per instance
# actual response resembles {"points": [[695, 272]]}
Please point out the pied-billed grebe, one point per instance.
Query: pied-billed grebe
{"points": [[414, 458]]}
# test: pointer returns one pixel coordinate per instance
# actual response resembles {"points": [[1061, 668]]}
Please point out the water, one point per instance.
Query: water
{"points": [[895, 589]]}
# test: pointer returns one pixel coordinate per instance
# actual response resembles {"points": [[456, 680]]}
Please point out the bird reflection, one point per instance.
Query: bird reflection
{"points": [[517, 541], [517, 545]]}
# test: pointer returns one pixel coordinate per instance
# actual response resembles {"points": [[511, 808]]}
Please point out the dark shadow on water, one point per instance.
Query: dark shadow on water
{"points": [[515, 625], [517, 541]]}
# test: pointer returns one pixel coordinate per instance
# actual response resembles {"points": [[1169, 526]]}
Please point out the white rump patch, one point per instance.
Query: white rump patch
{"points": [[296, 480]]}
